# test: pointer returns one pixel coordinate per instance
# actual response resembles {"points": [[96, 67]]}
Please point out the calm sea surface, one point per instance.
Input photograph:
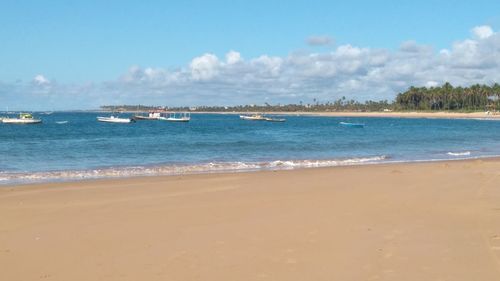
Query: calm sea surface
{"points": [[84, 148]]}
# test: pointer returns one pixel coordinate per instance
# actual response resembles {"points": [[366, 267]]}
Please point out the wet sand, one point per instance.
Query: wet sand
{"points": [[424, 221]]}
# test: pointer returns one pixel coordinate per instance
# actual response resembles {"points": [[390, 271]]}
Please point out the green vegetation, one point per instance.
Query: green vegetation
{"points": [[443, 98], [473, 98]]}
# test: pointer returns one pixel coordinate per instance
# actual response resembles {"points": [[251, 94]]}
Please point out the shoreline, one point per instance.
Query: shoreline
{"points": [[368, 114], [63, 181], [375, 114], [416, 114], [417, 221]]}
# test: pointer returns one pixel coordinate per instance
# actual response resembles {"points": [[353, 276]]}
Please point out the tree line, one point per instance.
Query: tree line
{"points": [[446, 97], [441, 98]]}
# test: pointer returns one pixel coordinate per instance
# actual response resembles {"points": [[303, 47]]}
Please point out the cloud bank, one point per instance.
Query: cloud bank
{"points": [[351, 71]]}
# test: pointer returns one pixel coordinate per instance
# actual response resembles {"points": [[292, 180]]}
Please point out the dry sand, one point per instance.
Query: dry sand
{"points": [[432, 221]]}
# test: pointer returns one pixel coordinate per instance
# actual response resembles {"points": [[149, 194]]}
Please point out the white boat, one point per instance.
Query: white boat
{"points": [[253, 117], [114, 119], [176, 117], [153, 115], [24, 118], [268, 119]]}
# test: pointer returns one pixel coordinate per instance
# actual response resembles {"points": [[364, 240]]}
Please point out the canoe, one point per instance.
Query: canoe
{"points": [[353, 125], [275, 119]]}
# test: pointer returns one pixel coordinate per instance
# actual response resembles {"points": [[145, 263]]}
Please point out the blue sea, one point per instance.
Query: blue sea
{"points": [[83, 148]]}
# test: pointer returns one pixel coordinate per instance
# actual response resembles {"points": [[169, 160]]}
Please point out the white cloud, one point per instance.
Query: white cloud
{"points": [[431, 84], [41, 80], [268, 65], [233, 57], [353, 71], [319, 40], [483, 31], [204, 67]]}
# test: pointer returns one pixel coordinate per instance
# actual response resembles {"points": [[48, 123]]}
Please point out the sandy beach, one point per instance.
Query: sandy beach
{"points": [[424, 221]]}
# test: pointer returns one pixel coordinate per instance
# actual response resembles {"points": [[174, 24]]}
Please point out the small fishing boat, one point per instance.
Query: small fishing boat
{"points": [[153, 115], [176, 117], [254, 117], [268, 119], [24, 118], [353, 125], [114, 119]]}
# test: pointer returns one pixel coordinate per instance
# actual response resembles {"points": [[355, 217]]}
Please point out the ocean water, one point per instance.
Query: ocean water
{"points": [[83, 148]]}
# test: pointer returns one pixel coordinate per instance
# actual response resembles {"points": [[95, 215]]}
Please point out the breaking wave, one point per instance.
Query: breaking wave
{"points": [[463, 153], [132, 171]]}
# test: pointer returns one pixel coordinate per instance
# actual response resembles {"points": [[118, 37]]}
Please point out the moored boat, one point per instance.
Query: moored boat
{"points": [[268, 119], [176, 117], [353, 125], [253, 117], [24, 118], [114, 119], [153, 115]]}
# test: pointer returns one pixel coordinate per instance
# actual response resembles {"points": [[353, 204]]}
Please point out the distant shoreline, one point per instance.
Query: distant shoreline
{"points": [[368, 114], [376, 114], [393, 114]]}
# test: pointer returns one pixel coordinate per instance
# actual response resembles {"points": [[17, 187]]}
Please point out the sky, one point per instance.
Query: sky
{"points": [[82, 54]]}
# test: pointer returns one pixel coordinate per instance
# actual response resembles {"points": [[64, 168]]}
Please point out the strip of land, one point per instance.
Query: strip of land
{"points": [[391, 114], [426, 221]]}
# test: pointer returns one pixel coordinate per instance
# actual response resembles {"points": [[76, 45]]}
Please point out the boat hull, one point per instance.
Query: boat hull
{"points": [[138, 117], [352, 125], [21, 121], [170, 119], [275, 120], [114, 120], [177, 120], [252, 118]]}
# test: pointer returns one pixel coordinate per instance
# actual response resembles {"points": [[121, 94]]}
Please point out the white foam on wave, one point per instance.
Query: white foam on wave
{"points": [[323, 163], [462, 153], [212, 167]]}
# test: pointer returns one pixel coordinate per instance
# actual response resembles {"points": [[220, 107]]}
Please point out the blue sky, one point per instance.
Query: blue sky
{"points": [[94, 44]]}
